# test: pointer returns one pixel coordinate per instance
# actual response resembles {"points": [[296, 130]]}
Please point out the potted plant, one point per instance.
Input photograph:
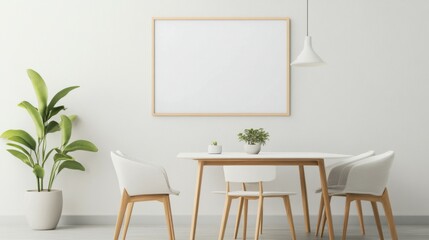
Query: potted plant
{"points": [[214, 148], [44, 204], [253, 139]]}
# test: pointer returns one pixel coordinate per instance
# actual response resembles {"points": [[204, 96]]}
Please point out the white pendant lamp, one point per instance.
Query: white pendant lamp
{"points": [[307, 58]]}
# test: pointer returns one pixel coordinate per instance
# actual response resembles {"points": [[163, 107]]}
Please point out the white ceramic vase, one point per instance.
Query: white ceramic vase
{"points": [[214, 149], [44, 209], [252, 149]]}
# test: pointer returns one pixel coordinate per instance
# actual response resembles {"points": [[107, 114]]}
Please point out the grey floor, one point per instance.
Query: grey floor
{"points": [[204, 232]]}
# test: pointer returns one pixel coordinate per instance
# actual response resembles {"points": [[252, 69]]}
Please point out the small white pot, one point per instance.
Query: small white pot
{"points": [[252, 149], [44, 209], [215, 149]]}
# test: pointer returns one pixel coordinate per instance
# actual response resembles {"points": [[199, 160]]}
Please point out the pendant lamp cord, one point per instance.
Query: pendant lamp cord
{"points": [[307, 18]]}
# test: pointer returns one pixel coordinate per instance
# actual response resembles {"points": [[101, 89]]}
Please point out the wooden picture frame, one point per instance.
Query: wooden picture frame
{"points": [[258, 45]]}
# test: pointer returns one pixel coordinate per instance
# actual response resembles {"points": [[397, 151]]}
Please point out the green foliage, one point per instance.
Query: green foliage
{"points": [[40, 89], [21, 156], [20, 136], [35, 153], [66, 130], [81, 145], [253, 136], [60, 95], [37, 118], [214, 143], [38, 171], [71, 165]]}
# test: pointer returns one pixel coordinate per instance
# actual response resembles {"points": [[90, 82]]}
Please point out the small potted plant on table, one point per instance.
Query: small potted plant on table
{"points": [[214, 148], [253, 139]]}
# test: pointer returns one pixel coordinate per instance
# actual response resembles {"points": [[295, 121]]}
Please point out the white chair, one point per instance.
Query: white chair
{"points": [[141, 181], [366, 181], [248, 175], [336, 180]]}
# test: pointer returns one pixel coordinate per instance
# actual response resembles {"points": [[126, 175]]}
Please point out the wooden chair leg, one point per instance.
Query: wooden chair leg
{"points": [[377, 220], [322, 230], [360, 214], [121, 214], [389, 215], [319, 218], [262, 220], [127, 219], [289, 216], [346, 217], [324, 219], [228, 201], [237, 220], [245, 208], [169, 217], [258, 219]]}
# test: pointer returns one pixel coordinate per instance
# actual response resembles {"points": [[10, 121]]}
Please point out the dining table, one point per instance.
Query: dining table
{"points": [[300, 159]]}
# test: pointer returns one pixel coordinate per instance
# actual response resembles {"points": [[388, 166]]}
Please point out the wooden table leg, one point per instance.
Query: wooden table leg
{"points": [[321, 164], [197, 199], [304, 198]]}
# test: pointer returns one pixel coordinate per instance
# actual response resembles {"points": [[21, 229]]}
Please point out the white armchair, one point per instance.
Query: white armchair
{"points": [[141, 181], [367, 181], [336, 180]]}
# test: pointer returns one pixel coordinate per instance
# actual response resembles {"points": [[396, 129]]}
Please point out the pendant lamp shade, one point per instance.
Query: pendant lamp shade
{"points": [[307, 57]]}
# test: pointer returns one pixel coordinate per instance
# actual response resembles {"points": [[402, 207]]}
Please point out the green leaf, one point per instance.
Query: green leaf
{"points": [[66, 129], [38, 171], [21, 156], [73, 117], [40, 89], [54, 111], [82, 145], [61, 157], [20, 136], [60, 95], [47, 157], [71, 165], [19, 148], [19, 140], [52, 127], [35, 115]]}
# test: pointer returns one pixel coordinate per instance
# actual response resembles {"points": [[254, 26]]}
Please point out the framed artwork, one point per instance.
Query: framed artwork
{"points": [[221, 67]]}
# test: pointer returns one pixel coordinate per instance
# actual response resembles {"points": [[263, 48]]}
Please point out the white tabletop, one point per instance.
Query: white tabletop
{"points": [[261, 155]]}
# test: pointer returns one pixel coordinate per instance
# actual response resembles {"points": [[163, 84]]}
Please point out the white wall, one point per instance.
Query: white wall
{"points": [[372, 94]]}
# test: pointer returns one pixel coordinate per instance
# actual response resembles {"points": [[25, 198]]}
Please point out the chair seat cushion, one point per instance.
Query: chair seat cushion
{"points": [[254, 193], [334, 188]]}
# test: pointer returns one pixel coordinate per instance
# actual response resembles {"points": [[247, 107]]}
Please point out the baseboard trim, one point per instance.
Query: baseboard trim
{"points": [[207, 220]]}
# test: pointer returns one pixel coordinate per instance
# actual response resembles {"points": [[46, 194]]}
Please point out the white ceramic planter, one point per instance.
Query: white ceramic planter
{"points": [[252, 149], [44, 209], [215, 149]]}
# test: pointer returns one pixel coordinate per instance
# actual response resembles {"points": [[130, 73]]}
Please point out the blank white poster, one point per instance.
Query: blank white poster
{"points": [[221, 67]]}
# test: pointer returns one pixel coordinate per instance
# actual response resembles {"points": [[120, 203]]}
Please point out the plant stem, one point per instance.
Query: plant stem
{"points": [[37, 180], [38, 184], [52, 176], [38, 150], [43, 150]]}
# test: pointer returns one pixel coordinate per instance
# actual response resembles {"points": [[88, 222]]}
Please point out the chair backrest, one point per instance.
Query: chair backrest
{"points": [[336, 174], [249, 174], [139, 178], [370, 175]]}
